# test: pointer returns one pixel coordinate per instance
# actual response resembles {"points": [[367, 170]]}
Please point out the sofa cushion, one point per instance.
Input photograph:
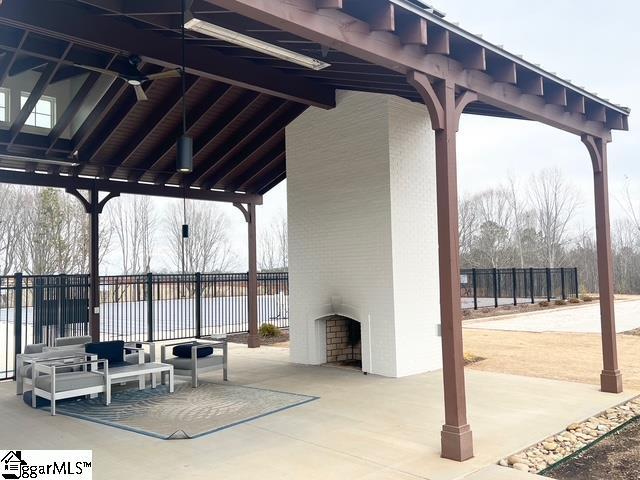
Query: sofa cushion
{"points": [[184, 350], [70, 381], [112, 351], [75, 341]]}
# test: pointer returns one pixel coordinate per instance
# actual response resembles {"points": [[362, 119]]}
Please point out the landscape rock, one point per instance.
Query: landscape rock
{"points": [[576, 436]]}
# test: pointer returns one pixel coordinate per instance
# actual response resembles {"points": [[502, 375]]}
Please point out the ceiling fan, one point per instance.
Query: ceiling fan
{"points": [[133, 76]]}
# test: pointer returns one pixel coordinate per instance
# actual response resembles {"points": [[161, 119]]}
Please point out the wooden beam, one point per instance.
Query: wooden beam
{"points": [[575, 103], [233, 143], [29, 105], [275, 155], [72, 109], [439, 41], [555, 94], [117, 115], [381, 15], [9, 58], [104, 105], [336, 4], [530, 83], [71, 22], [412, 30], [502, 70], [82, 183], [596, 112], [193, 117], [264, 137], [155, 118], [473, 58], [615, 121], [350, 36]]}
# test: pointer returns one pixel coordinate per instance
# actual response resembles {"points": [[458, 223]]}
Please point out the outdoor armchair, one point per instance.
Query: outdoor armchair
{"points": [[53, 385], [192, 364]]}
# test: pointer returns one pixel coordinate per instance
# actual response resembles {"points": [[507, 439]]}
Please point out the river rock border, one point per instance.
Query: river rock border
{"points": [[575, 437]]}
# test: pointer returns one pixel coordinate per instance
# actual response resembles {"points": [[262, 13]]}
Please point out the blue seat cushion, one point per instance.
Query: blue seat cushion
{"points": [[112, 351], [184, 350]]}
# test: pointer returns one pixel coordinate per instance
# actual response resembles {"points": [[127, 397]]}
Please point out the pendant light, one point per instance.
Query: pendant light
{"points": [[184, 161]]}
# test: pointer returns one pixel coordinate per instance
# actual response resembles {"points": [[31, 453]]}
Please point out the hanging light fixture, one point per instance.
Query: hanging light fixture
{"points": [[184, 160]]}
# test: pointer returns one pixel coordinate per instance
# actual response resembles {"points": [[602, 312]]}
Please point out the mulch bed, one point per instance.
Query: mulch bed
{"points": [[244, 337], [615, 457], [470, 314]]}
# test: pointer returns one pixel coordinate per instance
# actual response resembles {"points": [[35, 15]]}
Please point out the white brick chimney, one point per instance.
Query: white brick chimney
{"points": [[362, 231]]}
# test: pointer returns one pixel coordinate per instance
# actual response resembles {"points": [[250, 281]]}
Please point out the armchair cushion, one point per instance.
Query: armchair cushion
{"points": [[203, 364], [112, 351], [34, 348], [72, 341], [184, 350]]}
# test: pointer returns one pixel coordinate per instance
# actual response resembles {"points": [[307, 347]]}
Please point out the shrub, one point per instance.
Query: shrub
{"points": [[587, 298], [466, 312], [544, 303], [470, 358], [574, 300], [560, 302], [269, 330]]}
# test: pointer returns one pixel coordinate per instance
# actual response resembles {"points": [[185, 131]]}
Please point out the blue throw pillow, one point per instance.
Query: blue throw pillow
{"points": [[184, 350], [112, 351]]}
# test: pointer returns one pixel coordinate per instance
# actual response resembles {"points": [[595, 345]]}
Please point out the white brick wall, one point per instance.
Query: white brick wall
{"points": [[361, 206]]}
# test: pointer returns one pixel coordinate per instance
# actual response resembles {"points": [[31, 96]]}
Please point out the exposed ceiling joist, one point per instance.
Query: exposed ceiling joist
{"points": [[82, 183], [66, 21]]}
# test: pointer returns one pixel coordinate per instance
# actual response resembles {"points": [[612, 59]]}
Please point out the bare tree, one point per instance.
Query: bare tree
{"points": [[555, 203], [12, 205], [274, 246], [468, 227], [134, 223], [492, 246], [208, 248]]}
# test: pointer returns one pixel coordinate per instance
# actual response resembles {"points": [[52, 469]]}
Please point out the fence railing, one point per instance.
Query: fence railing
{"points": [[37, 309], [492, 287]]}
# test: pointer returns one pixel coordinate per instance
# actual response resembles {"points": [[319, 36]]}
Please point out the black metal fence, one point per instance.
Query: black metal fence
{"points": [[37, 309], [492, 287]]}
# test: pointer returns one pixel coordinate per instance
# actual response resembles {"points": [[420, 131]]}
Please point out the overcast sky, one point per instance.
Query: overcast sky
{"points": [[593, 43]]}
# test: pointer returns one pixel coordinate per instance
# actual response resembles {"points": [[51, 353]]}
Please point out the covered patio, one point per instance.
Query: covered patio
{"points": [[358, 428], [239, 103]]}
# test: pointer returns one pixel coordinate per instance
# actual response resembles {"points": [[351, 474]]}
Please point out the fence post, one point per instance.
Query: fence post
{"points": [[149, 307], [474, 279], [17, 317], [548, 271], [495, 286], [62, 327], [575, 277], [562, 285], [533, 295], [515, 286], [198, 306]]}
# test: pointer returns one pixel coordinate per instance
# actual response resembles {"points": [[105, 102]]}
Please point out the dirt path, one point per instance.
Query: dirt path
{"points": [[574, 357]]}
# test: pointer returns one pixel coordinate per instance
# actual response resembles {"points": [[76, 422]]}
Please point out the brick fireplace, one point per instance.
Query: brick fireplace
{"points": [[344, 345]]}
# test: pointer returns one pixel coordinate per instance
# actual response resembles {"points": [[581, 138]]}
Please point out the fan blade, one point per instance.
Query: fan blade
{"points": [[140, 95], [99, 70], [167, 74]]}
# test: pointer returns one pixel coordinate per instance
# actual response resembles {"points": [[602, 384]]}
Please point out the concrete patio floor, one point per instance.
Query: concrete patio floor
{"points": [[362, 427]]}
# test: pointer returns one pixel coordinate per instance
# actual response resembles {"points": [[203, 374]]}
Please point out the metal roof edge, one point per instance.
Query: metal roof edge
{"points": [[438, 20]]}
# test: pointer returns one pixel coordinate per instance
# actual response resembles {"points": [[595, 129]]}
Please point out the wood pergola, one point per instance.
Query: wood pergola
{"points": [[240, 101]]}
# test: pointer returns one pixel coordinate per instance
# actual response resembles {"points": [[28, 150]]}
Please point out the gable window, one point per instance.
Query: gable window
{"points": [[44, 112], [4, 105]]}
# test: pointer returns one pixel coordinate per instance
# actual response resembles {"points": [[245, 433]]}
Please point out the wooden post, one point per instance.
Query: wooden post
{"points": [[444, 109], [252, 277], [94, 266], [610, 378]]}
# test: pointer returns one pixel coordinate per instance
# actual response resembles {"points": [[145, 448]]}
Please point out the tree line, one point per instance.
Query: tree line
{"points": [[534, 223], [530, 223]]}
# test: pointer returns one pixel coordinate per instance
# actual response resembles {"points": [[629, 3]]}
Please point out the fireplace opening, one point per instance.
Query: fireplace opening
{"points": [[344, 345]]}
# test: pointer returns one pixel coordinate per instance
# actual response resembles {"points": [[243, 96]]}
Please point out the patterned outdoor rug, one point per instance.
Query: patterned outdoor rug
{"points": [[186, 413]]}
